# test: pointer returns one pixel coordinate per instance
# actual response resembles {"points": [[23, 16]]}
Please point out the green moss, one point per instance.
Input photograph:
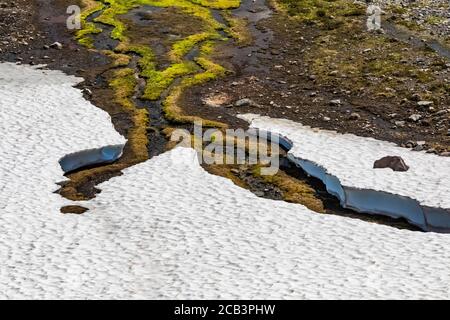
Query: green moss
{"points": [[218, 4], [147, 62], [434, 20], [328, 14], [192, 8], [123, 84], [173, 112], [182, 47], [119, 60], [109, 16], [238, 29], [397, 9], [171, 106], [294, 190], [89, 7], [158, 81]]}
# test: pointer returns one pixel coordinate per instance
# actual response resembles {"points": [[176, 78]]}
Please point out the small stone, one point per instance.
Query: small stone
{"points": [[410, 144], [400, 123], [394, 162], [415, 117], [354, 116], [211, 105], [56, 45], [87, 91], [445, 154], [416, 97], [335, 102], [235, 171], [441, 113], [326, 119], [244, 103], [333, 73], [424, 104]]}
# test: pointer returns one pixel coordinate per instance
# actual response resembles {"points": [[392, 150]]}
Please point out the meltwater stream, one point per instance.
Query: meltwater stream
{"points": [[367, 201], [91, 157]]}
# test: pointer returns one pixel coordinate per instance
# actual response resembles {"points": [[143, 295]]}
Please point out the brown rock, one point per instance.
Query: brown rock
{"points": [[394, 162], [74, 209]]}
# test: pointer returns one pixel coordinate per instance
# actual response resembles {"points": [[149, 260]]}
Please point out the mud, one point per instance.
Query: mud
{"points": [[276, 72]]}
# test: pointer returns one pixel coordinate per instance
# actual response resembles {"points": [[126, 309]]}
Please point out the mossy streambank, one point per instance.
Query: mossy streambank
{"points": [[153, 70], [146, 87]]}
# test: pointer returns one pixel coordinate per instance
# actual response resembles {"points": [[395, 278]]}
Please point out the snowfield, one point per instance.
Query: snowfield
{"points": [[344, 162], [168, 229]]}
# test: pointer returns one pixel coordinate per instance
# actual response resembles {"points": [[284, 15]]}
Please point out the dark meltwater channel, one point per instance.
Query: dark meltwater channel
{"points": [[337, 199], [405, 36]]}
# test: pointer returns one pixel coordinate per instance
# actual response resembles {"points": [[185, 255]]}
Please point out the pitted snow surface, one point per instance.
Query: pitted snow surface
{"points": [[168, 229], [350, 158]]}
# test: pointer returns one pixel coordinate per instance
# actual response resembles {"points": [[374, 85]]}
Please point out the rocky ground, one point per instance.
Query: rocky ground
{"points": [[341, 78], [15, 30], [431, 17]]}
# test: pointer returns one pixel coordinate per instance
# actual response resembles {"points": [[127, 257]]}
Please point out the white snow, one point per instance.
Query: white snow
{"points": [[344, 163], [350, 158], [168, 229]]}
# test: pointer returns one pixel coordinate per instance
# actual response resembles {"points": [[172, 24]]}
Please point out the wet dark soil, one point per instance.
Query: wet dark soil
{"points": [[45, 21], [74, 210], [279, 75]]}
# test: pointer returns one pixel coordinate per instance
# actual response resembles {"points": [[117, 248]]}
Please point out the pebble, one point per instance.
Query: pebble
{"points": [[441, 112], [354, 116], [410, 144], [415, 117], [424, 103], [244, 103], [335, 102], [56, 45]]}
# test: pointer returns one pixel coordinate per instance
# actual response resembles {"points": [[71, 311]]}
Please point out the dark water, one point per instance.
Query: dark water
{"points": [[406, 36]]}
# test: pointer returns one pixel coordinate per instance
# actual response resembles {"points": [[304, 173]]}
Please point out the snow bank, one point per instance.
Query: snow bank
{"points": [[168, 229], [344, 162]]}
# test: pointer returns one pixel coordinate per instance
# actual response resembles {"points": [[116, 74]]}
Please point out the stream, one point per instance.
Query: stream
{"points": [[405, 36], [243, 56]]}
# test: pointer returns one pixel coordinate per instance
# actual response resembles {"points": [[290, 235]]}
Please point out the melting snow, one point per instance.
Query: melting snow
{"points": [[345, 163], [168, 229]]}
